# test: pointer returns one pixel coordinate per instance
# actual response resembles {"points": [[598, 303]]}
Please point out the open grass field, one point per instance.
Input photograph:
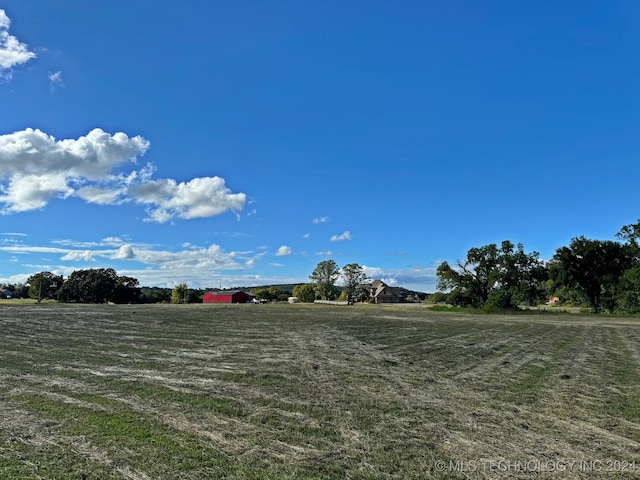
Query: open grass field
{"points": [[310, 392]]}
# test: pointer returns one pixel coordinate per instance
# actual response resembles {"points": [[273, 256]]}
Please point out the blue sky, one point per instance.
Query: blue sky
{"points": [[238, 143]]}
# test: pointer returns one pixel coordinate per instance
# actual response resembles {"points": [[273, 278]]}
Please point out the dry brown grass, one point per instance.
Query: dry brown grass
{"points": [[296, 391]]}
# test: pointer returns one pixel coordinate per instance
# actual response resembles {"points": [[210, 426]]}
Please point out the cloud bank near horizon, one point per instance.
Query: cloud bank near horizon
{"points": [[197, 266]]}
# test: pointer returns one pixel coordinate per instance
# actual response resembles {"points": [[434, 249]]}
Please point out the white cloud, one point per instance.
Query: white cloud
{"points": [[320, 220], [91, 157], [77, 244], [324, 253], [193, 261], [32, 249], [12, 51], [125, 252], [86, 256], [101, 196], [283, 251], [56, 80], [198, 198], [31, 192], [422, 279], [306, 235], [346, 235], [35, 168], [278, 265]]}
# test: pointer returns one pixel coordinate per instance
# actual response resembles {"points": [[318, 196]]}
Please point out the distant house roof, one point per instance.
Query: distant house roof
{"points": [[383, 293]]}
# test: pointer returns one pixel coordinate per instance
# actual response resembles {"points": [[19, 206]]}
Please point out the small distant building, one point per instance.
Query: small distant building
{"points": [[231, 296], [383, 293], [293, 299]]}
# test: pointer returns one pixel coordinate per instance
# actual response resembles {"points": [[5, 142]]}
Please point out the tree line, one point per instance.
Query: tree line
{"points": [[602, 275], [94, 285], [104, 285]]}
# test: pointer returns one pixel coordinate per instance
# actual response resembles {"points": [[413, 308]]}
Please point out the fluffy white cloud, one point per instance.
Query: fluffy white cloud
{"points": [[12, 51], [31, 192], [320, 220], [92, 157], [125, 252], [283, 251], [346, 235], [198, 198], [35, 168]]}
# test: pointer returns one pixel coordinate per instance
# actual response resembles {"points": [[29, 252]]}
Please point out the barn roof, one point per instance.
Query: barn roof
{"points": [[230, 292]]}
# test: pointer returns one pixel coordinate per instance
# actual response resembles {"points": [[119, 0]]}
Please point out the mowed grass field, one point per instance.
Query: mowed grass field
{"points": [[315, 391]]}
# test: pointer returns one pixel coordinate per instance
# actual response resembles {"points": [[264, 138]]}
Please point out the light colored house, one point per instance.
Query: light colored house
{"points": [[383, 293]]}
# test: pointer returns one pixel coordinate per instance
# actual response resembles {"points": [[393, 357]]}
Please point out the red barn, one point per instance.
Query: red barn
{"points": [[232, 296]]}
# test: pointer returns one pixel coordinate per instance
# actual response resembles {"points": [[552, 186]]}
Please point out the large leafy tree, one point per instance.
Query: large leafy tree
{"points": [[472, 279], [493, 277], [324, 279], [127, 290], [522, 278], [628, 299], [354, 282], [44, 285], [594, 268], [95, 285]]}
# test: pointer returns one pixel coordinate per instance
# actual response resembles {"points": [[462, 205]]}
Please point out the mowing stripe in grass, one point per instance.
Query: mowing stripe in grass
{"points": [[625, 398], [147, 442]]}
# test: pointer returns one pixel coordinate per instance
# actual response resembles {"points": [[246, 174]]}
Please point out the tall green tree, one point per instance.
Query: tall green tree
{"points": [[628, 298], [594, 268], [494, 278], [472, 279], [631, 235], [355, 281], [180, 293], [44, 285], [522, 278], [324, 279]]}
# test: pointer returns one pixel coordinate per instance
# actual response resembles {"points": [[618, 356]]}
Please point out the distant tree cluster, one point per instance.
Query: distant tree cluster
{"points": [[602, 275], [96, 285], [270, 293]]}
